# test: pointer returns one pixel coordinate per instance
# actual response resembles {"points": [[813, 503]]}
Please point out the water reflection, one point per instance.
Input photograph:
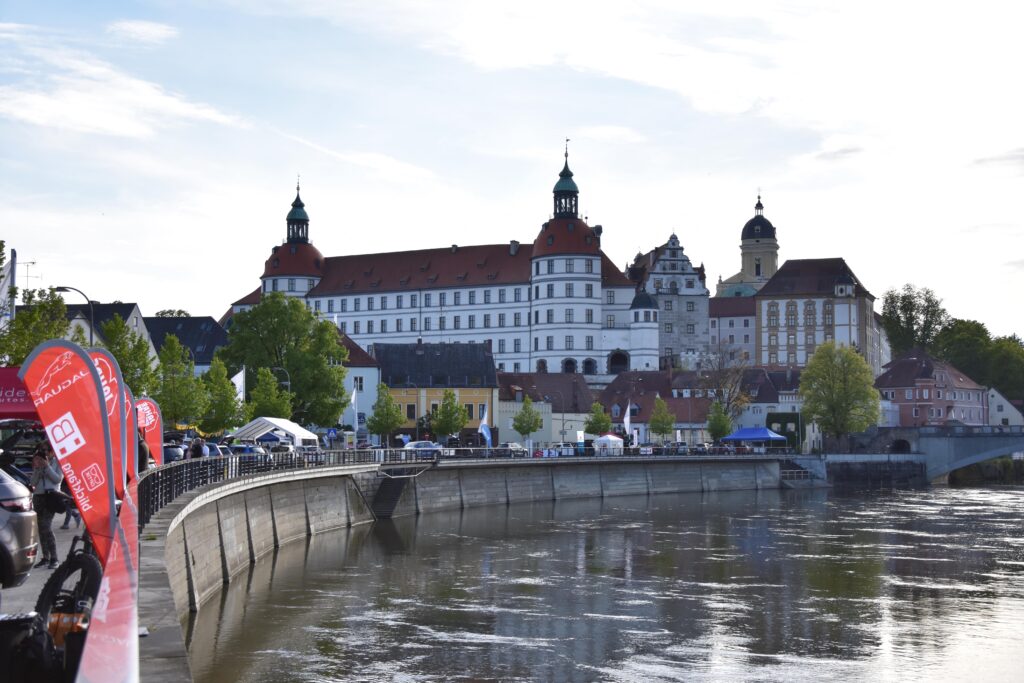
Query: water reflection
{"points": [[747, 586]]}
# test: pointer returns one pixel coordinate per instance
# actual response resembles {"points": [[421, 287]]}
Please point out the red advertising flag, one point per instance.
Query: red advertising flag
{"points": [[69, 396], [132, 431], [151, 422], [110, 377]]}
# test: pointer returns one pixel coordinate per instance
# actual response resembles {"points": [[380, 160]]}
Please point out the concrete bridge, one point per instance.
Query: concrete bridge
{"points": [[943, 449]]}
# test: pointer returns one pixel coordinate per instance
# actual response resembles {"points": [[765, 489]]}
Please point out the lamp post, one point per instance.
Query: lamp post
{"points": [[92, 318], [416, 412], [287, 382]]}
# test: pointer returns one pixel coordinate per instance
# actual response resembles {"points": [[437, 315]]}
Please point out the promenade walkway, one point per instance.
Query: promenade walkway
{"points": [[23, 598]]}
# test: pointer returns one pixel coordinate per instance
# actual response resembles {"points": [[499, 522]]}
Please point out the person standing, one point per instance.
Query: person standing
{"points": [[143, 461], [46, 477]]}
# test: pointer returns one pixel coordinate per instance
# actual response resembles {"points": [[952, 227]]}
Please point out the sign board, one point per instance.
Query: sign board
{"points": [[332, 433], [579, 437]]}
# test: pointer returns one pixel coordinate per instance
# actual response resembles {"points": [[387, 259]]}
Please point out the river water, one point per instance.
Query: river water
{"points": [[923, 585]]}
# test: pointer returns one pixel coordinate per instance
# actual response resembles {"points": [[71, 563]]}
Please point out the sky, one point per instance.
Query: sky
{"points": [[149, 150]]}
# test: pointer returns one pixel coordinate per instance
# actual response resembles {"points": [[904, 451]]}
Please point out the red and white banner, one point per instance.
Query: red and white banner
{"points": [[113, 394], [131, 429], [151, 422], [69, 395]]}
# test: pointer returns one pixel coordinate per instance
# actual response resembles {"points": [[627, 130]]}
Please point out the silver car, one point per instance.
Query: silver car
{"points": [[19, 541]]}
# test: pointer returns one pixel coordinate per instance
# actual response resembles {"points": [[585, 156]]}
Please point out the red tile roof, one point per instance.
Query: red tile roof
{"points": [[301, 259], [357, 357], [250, 299], [903, 372], [567, 393], [566, 236]]}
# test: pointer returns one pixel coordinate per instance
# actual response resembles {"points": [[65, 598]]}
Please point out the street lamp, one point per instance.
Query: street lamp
{"points": [[92, 318], [288, 382]]}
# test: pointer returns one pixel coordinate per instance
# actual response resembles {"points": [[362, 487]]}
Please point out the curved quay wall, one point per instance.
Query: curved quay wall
{"points": [[208, 537]]}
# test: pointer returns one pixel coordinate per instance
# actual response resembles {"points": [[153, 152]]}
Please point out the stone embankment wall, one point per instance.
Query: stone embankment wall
{"points": [[217, 541], [474, 484], [209, 537]]}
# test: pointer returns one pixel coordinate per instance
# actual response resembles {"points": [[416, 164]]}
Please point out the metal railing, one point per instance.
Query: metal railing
{"points": [[160, 486]]}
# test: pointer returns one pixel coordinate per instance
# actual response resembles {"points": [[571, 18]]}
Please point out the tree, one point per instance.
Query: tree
{"points": [[280, 332], [451, 416], [172, 313], [721, 377], [1006, 367], [838, 390], [598, 422], [965, 344], [266, 398], [41, 316], [912, 318], [661, 421], [527, 420], [181, 395], [719, 423], [225, 409], [131, 351], [387, 415]]}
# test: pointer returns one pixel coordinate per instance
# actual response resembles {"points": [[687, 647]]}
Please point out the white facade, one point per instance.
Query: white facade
{"points": [[1001, 412]]}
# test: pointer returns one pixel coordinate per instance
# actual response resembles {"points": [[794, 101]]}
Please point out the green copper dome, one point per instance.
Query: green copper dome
{"points": [[298, 212], [565, 182]]}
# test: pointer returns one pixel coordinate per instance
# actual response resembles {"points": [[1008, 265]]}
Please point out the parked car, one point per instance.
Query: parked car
{"points": [[513, 449], [19, 542], [173, 452], [249, 453], [424, 449]]}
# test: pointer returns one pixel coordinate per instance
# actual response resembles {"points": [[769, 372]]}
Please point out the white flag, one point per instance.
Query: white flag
{"points": [[239, 382], [625, 423], [7, 276]]}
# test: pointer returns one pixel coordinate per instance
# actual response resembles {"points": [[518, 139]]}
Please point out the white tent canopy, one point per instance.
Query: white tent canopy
{"points": [[608, 444], [299, 436]]}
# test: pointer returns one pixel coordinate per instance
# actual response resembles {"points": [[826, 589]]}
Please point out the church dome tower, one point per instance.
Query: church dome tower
{"points": [[296, 266]]}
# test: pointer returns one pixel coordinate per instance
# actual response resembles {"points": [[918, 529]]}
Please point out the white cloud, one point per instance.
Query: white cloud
{"points": [[146, 32], [66, 88]]}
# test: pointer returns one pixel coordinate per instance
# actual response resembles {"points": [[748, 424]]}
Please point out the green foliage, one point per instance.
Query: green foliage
{"points": [[719, 423], [266, 398], [451, 416], [965, 344], [280, 332], [912, 318], [225, 411], [43, 316], [78, 336], [131, 351], [1006, 367], [387, 415], [838, 390], [598, 422], [172, 313], [793, 426], [527, 420], [181, 395], [661, 421]]}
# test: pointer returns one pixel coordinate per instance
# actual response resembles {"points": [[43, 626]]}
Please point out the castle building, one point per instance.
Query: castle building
{"points": [[681, 297], [759, 257], [812, 301], [556, 305]]}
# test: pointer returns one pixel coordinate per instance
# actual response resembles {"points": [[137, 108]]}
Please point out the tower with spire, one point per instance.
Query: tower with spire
{"points": [[759, 256], [298, 221], [566, 193]]}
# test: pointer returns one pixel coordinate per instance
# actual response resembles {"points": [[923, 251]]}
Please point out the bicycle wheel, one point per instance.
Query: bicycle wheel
{"points": [[86, 585]]}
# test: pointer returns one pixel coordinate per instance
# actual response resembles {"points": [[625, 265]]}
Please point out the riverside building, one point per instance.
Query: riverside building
{"points": [[557, 304]]}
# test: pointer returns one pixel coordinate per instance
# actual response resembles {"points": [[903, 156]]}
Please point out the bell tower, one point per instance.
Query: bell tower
{"points": [[298, 221]]}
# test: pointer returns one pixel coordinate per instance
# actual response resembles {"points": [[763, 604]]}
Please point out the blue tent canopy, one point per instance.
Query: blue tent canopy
{"points": [[754, 434]]}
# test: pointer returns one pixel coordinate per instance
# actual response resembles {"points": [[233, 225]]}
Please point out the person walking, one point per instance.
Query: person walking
{"points": [[46, 478], [72, 511]]}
